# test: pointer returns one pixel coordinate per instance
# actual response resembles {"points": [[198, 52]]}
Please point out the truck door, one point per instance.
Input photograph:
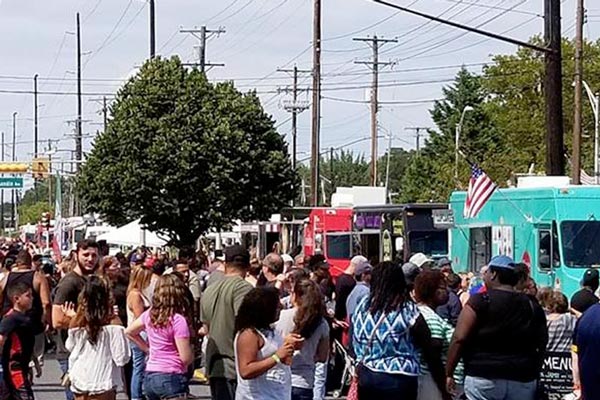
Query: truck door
{"points": [[480, 247]]}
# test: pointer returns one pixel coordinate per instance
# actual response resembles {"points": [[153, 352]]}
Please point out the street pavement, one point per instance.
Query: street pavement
{"points": [[48, 386]]}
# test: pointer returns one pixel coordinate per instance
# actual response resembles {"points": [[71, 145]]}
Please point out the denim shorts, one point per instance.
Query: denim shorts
{"points": [[163, 386]]}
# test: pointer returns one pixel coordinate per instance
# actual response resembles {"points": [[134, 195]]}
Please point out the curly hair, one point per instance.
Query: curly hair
{"points": [[170, 298], [311, 308], [427, 284], [94, 309], [258, 309]]}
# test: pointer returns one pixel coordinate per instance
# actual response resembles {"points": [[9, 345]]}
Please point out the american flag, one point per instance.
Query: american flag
{"points": [[585, 179], [481, 188]]}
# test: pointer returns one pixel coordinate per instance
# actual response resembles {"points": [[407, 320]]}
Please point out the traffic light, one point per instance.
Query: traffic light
{"points": [[13, 168], [40, 167], [45, 220]]}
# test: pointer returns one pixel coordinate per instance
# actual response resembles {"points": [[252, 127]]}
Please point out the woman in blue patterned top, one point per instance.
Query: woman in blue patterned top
{"points": [[388, 333]]}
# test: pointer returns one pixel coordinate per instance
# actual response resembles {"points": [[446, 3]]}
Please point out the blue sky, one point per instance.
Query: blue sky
{"points": [[262, 35]]}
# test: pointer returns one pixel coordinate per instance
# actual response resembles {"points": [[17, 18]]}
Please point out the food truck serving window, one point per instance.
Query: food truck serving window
{"points": [[434, 243], [580, 243], [339, 246]]}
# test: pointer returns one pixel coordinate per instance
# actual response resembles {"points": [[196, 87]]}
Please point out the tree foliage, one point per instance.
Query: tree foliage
{"points": [[31, 213], [186, 155]]}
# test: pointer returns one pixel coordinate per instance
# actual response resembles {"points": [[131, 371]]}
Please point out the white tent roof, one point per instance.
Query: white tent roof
{"points": [[132, 235]]}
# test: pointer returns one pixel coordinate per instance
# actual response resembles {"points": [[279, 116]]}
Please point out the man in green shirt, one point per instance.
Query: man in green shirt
{"points": [[220, 304]]}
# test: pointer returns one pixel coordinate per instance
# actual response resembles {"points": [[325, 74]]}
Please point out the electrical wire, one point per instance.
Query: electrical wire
{"points": [[404, 102], [112, 32], [93, 10]]}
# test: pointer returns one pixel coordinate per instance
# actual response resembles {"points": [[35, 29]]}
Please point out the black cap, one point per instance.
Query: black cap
{"points": [[237, 255], [590, 278]]}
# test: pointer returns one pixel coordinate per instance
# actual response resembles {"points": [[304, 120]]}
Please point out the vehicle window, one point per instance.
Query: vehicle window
{"points": [[579, 243], [433, 243], [545, 250], [339, 246], [480, 244]]}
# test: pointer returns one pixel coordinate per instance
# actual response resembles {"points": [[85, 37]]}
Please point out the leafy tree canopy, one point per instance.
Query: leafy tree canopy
{"points": [[186, 155]]}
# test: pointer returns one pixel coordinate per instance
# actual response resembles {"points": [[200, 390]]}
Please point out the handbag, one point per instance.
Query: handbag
{"points": [[353, 390]]}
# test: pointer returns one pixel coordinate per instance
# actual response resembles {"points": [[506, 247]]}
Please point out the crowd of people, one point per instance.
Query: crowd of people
{"points": [[284, 328]]}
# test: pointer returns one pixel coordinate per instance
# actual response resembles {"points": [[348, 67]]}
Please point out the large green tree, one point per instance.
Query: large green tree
{"points": [[185, 155]]}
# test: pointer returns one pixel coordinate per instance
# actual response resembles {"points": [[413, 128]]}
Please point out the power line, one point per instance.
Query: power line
{"points": [[407, 102], [112, 32]]}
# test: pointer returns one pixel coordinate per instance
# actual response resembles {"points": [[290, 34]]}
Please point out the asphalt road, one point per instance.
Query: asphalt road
{"points": [[48, 386]]}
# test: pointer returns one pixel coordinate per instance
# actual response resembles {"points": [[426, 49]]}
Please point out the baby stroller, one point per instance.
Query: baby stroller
{"points": [[348, 371]]}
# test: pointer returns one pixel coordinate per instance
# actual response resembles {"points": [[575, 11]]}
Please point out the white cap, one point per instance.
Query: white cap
{"points": [[419, 259], [358, 260], [287, 258]]}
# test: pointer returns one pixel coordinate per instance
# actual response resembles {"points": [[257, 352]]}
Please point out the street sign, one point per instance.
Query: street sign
{"points": [[11, 183]]}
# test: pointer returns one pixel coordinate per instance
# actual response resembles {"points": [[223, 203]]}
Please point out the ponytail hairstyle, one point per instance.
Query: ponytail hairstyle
{"points": [[311, 307]]}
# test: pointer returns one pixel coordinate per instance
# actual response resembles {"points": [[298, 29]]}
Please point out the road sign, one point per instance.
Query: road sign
{"points": [[11, 183]]}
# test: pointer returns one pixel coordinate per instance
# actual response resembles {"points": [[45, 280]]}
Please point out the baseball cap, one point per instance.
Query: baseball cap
{"points": [[443, 262], [590, 277], [238, 255], [419, 259], [363, 268], [502, 262], [410, 271], [287, 258]]}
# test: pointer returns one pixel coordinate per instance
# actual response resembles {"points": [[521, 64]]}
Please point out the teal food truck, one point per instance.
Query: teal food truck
{"points": [[555, 230]]}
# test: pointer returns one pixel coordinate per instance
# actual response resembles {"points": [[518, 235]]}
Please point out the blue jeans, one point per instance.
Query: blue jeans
{"points": [[64, 367], [163, 386], [302, 393], [498, 389], [137, 376], [320, 388], [383, 386]]}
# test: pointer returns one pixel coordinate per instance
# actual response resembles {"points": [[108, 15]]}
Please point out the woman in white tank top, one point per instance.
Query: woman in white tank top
{"points": [[262, 356]]}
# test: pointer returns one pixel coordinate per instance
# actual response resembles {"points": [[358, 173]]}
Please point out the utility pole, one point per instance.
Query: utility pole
{"points": [[578, 98], [78, 127], [152, 29], [35, 115], [104, 102], [374, 64], [203, 35], [294, 107], [331, 170], [555, 156], [316, 106], [14, 141], [417, 130]]}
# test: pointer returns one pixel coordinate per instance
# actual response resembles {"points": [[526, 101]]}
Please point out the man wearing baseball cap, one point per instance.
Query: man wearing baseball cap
{"points": [[220, 305]]}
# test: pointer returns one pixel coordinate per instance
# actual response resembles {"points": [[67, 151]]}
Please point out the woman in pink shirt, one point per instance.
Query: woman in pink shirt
{"points": [[169, 348]]}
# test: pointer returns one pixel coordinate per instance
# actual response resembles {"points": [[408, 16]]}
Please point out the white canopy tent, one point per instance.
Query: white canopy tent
{"points": [[133, 235]]}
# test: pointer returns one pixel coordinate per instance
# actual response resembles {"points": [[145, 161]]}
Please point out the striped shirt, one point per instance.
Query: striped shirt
{"points": [[441, 330]]}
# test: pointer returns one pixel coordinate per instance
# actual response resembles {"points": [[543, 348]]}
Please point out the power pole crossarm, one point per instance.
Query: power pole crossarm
{"points": [[375, 64], [203, 34], [295, 107]]}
